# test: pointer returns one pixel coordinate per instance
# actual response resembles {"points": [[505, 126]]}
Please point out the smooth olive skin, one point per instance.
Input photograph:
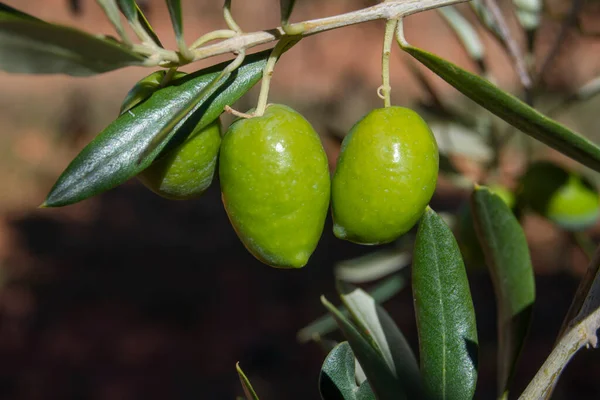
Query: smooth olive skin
{"points": [[187, 171], [385, 176], [275, 185], [564, 197]]}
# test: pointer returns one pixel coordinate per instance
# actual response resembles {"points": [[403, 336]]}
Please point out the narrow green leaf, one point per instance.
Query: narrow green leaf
{"points": [[286, 6], [444, 311], [383, 382], [32, 46], [129, 9], [248, 389], [136, 18], [326, 324], [111, 9], [114, 155], [174, 7], [8, 11], [337, 380], [377, 326], [512, 110], [507, 257]]}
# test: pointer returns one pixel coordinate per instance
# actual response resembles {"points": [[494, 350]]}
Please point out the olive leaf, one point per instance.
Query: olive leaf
{"points": [[381, 293], [136, 17], [507, 256], [174, 7], [114, 155], [337, 380], [444, 311], [32, 46], [286, 7], [382, 380], [246, 385], [512, 110], [375, 324]]}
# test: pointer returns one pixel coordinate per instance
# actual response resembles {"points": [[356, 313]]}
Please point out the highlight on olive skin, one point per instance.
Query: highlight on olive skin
{"points": [[565, 197], [275, 185], [385, 177]]}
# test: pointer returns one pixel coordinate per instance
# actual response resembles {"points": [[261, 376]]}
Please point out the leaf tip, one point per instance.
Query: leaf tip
{"points": [[44, 205]]}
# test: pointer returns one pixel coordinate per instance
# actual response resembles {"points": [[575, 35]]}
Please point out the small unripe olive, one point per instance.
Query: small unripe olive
{"points": [[188, 170], [385, 176], [564, 197], [275, 185]]}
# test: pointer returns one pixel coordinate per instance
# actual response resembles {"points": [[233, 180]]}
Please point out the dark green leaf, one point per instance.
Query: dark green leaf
{"points": [[326, 324], [287, 7], [512, 110], [377, 326], [129, 9], [176, 18], [444, 311], [383, 382], [8, 11], [507, 257], [114, 155], [337, 380], [248, 389], [135, 16], [29, 45]]}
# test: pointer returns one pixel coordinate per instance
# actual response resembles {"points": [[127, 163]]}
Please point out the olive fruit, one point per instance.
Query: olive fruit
{"points": [[564, 197], [275, 185], [144, 88], [385, 176], [188, 170]]}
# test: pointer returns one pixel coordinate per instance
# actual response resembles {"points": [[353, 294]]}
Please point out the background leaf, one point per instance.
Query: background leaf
{"points": [[286, 6], [174, 7], [385, 290], [376, 325], [444, 310], [129, 9], [382, 380], [114, 155], [248, 389], [337, 380], [507, 257], [512, 110], [32, 46]]}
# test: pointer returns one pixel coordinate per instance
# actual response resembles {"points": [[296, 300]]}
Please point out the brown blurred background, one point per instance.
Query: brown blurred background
{"points": [[130, 296]]}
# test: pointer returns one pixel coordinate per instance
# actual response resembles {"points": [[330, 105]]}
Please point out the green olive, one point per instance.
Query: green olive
{"points": [[385, 176], [275, 185], [564, 197], [144, 89], [188, 170]]}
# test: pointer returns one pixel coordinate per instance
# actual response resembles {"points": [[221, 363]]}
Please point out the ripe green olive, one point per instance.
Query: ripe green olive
{"points": [[188, 170], [275, 185], [385, 176], [564, 197]]}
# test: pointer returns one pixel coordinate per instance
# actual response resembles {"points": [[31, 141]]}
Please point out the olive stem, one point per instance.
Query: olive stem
{"points": [[393, 9], [229, 18], [281, 46], [385, 88], [214, 35]]}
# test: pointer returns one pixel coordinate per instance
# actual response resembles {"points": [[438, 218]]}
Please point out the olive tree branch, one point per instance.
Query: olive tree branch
{"points": [[580, 332], [393, 9]]}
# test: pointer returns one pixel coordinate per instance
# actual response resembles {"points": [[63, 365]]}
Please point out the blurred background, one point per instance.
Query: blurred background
{"points": [[130, 296]]}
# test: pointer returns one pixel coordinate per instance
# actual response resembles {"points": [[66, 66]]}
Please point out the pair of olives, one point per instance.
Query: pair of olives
{"points": [[276, 186]]}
